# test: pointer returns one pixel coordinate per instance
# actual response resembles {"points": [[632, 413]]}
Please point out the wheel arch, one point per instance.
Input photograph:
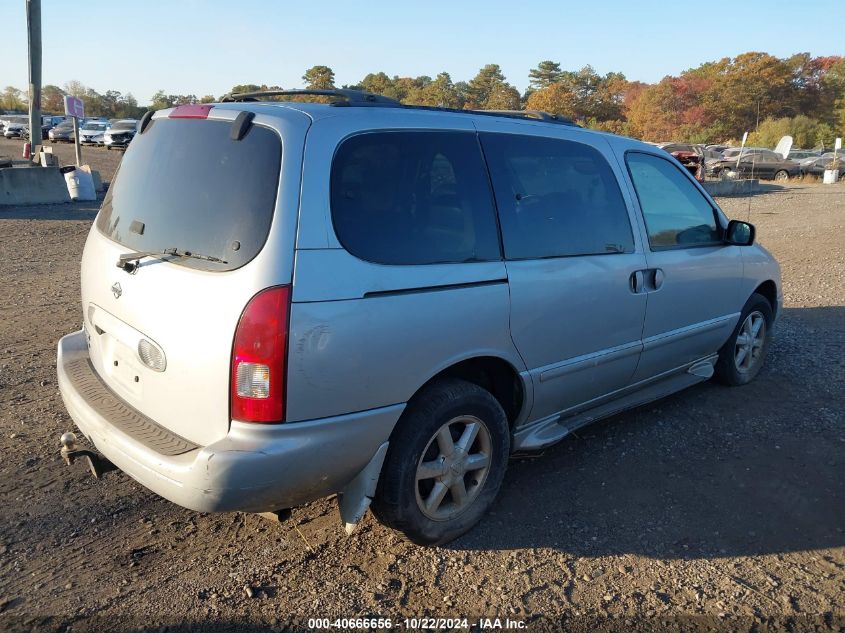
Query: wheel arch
{"points": [[769, 290], [496, 375]]}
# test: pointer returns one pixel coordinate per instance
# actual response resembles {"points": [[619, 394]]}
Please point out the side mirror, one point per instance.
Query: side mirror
{"points": [[740, 233]]}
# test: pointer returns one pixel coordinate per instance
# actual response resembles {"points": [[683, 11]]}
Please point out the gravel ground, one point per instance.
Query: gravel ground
{"points": [[714, 509]]}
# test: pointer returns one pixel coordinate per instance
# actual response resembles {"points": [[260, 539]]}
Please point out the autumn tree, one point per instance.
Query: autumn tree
{"points": [[160, 101], [12, 99], [379, 83], [488, 90], [439, 92], [319, 78], [555, 98], [52, 99], [805, 132], [669, 110], [241, 88], [750, 87], [833, 93], [546, 73], [75, 88]]}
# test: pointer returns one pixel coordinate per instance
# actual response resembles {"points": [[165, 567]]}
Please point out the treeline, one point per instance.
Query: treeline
{"points": [[800, 95]]}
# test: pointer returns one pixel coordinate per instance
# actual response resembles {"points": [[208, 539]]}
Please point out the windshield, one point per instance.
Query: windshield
{"points": [[94, 126], [124, 125], [194, 188]]}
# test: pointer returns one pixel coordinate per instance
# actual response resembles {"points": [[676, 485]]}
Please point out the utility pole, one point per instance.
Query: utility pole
{"points": [[33, 25]]}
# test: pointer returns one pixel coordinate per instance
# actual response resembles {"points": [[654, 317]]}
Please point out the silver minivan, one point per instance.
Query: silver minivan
{"points": [[286, 300]]}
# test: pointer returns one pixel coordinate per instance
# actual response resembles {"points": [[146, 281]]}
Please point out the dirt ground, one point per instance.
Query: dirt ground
{"points": [[714, 509]]}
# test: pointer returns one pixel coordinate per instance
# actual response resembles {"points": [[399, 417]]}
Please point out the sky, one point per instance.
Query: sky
{"points": [[207, 46]]}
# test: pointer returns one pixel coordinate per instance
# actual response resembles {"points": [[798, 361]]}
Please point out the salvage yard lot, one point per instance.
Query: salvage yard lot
{"points": [[714, 506]]}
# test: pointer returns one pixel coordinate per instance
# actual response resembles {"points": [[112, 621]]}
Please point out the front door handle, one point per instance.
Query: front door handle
{"points": [[647, 280], [656, 275]]}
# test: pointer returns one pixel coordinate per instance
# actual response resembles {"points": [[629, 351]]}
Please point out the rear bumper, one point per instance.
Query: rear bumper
{"points": [[255, 468]]}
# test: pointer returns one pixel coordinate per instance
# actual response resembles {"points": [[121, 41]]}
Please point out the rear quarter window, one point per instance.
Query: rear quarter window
{"points": [[409, 198], [195, 189]]}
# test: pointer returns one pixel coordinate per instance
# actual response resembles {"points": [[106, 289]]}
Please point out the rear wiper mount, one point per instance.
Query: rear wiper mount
{"points": [[129, 261]]}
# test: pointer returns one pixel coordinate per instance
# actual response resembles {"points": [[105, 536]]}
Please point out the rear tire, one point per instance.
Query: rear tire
{"points": [[781, 176], [445, 463], [742, 357]]}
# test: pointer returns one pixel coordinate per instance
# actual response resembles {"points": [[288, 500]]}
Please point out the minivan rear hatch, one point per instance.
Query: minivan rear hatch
{"points": [[161, 332]]}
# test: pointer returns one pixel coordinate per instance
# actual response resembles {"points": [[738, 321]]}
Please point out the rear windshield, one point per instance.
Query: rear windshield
{"points": [[185, 184]]}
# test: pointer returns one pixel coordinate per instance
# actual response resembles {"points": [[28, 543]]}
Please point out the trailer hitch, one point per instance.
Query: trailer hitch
{"points": [[97, 464]]}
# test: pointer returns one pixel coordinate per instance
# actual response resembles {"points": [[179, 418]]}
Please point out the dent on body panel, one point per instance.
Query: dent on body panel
{"points": [[330, 349], [314, 346]]}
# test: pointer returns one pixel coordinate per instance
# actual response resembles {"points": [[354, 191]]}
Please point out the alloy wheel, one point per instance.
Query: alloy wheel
{"points": [[749, 342], [453, 468]]}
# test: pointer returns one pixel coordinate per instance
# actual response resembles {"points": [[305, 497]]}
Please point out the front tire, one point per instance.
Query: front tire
{"points": [[445, 463], [742, 357], [782, 176]]}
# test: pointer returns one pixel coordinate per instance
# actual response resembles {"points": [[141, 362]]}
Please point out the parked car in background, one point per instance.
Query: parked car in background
{"points": [[62, 133], [733, 152], [817, 166], [801, 154], [93, 133], [15, 126], [287, 324], [678, 147], [689, 155], [759, 163], [712, 161], [120, 134], [7, 117]]}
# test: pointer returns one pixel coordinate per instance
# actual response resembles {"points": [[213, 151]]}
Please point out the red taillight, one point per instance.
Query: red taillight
{"points": [[259, 358]]}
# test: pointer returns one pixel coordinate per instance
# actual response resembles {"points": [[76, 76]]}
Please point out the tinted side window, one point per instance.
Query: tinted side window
{"points": [[556, 198], [676, 214], [413, 198]]}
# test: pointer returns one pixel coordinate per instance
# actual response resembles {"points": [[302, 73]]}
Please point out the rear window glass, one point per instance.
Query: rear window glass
{"points": [[195, 189], [413, 198], [556, 198]]}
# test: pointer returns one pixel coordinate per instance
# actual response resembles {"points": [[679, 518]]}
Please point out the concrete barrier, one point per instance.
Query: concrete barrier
{"points": [[728, 187], [21, 186]]}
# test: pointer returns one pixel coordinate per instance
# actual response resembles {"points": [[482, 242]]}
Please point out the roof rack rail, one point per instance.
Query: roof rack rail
{"points": [[350, 97], [347, 97], [539, 115]]}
